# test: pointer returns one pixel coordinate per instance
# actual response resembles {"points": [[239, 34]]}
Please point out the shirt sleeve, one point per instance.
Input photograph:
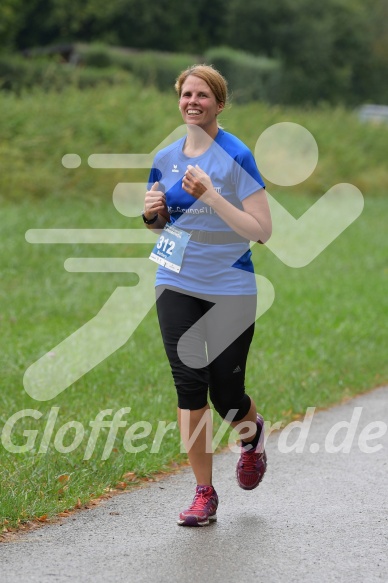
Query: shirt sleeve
{"points": [[154, 176], [246, 176]]}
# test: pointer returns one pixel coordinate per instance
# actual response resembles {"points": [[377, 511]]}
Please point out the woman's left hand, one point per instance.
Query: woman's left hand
{"points": [[196, 182]]}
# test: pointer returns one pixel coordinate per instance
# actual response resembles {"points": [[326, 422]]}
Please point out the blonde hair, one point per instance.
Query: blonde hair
{"points": [[211, 76]]}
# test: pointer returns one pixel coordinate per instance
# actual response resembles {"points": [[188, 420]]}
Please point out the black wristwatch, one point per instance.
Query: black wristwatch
{"points": [[149, 222]]}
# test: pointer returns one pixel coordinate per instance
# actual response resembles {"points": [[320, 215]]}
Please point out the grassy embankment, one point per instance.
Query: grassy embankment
{"points": [[322, 340]]}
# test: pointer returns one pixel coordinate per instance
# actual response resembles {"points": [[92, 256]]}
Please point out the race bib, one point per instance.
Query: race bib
{"points": [[170, 248]]}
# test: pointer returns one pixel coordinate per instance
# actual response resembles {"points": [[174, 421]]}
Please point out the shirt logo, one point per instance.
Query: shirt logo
{"points": [[218, 189], [175, 168]]}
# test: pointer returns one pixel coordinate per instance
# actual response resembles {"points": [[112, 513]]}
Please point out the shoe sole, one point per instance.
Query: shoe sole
{"points": [[192, 521]]}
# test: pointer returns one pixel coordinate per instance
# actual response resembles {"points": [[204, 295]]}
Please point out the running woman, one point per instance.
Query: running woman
{"points": [[207, 200]]}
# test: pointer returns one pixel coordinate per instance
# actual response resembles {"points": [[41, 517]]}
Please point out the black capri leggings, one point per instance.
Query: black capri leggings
{"points": [[207, 339]]}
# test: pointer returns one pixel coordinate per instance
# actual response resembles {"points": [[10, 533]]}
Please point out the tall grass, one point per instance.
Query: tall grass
{"points": [[39, 128]]}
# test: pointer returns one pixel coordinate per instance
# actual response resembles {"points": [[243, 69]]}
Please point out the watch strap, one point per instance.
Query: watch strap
{"points": [[149, 221]]}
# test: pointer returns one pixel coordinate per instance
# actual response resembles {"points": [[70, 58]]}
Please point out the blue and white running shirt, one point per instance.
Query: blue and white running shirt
{"points": [[225, 269]]}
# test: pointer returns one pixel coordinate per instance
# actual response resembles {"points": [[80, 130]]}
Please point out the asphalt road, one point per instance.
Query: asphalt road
{"points": [[316, 517]]}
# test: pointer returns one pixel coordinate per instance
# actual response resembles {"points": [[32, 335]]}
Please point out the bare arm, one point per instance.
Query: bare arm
{"points": [[252, 222], [155, 205]]}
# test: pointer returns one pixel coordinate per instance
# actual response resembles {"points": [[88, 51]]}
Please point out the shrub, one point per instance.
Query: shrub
{"points": [[94, 55], [18, 73], [250, 78], [150, 67]]}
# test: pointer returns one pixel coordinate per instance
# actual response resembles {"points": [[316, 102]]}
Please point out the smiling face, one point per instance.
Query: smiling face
{"points": [[198, 105]]}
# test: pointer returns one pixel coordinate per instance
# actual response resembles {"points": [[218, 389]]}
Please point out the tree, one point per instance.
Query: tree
{"points": [[323, 45], [10, 19]]}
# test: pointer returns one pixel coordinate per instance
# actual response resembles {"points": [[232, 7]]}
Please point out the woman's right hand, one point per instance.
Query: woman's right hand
{"points": [[155, 202]]}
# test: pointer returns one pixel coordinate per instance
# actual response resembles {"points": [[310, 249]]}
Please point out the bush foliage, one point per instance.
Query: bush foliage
{"points": [[334, 51], [18, 74], [250, 78]]}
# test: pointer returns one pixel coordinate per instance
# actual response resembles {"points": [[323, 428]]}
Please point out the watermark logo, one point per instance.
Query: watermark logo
{"points": [[112, 429], [286, 154]]}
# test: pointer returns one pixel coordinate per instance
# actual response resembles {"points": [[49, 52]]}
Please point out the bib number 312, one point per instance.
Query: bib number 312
{"points": [[170, 248], [165, 244]]}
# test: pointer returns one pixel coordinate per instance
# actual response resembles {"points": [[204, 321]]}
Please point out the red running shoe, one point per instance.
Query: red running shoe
{"points": [[203, 509], [252, 464]]}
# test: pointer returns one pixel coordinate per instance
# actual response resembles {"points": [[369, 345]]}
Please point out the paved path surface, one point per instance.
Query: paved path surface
{"points": [[315, 517]]}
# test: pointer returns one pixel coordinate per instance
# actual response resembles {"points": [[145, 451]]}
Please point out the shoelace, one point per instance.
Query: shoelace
{"points": [[200, 500], [248, 461]]}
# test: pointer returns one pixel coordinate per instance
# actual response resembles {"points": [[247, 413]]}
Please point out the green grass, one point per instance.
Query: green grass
{"points": [[322, 340], [39, 128]]}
